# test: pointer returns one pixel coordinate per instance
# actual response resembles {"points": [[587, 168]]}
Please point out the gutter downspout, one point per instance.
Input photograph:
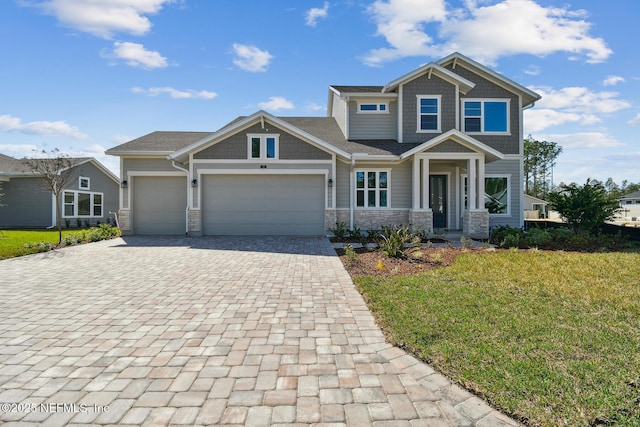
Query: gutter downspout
{"points": [[186, 213]]}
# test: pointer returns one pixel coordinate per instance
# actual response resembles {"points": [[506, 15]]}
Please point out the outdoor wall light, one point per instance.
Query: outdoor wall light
{"points": [[124, 183], [330, 182], [194, 182]]}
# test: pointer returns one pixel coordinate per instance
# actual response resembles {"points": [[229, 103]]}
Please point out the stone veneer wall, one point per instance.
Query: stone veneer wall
{"points": [[422, 218], [330, 219], [195, 222], [372, 219], [124, 220], [475, 224]]}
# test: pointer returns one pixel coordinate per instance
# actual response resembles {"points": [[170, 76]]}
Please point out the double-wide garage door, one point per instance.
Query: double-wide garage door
{"points": [[263, 204], [159, 204]]}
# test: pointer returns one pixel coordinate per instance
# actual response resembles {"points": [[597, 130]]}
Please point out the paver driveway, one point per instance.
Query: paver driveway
{"points": [[205, 331]]}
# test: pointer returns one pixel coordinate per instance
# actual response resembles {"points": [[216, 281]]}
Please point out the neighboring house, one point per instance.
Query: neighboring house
{"points": [[440, 147], [534, 208], [91, 194], [630, 204]]}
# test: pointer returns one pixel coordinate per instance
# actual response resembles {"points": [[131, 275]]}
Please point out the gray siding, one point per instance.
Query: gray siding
{"points": [[27, 204], [427, 86], [509, 144], [235, 147], [508, 167], [449, 147], [373, 126], [100, 183], [400, 180], [148, 164]]}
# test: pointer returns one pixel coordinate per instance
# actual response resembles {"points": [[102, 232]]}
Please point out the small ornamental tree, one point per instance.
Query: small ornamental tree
{"points": [[584, 207], [56, 172]]}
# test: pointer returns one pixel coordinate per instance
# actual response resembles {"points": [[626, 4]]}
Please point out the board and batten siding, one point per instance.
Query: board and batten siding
{"points": [[373, 126]]}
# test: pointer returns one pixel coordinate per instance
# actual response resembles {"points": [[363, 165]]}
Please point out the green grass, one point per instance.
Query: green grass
{"points": [[12, 242], [551, 338]]}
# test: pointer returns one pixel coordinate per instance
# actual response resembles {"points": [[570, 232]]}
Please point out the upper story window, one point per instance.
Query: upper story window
{"points": [[429, 113], [372, 188], [262, 146], [486, 116], [373, 107], [84, 183]]}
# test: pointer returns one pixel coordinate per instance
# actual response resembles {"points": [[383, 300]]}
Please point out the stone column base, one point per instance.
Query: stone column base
{"points": [[124, 220], [423, 219], [195, 224], [475, 224]]}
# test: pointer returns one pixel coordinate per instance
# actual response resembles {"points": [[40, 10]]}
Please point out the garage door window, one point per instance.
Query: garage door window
{"points": [[263, 146], [372, 189]]}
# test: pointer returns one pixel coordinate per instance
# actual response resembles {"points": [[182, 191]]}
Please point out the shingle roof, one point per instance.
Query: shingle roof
{"points": [[358, 89], [634, 195], [10, 166], [161, 141]]}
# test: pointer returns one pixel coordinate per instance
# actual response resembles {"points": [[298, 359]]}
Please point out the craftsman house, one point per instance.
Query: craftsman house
{"points": [[440, 148]]}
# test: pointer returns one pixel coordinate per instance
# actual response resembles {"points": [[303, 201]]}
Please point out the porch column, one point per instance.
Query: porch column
{"points": [[472, 183], [416, 183], [481, 183], [425, 183]]}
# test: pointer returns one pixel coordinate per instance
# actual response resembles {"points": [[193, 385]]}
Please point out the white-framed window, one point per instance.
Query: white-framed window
{"points": [[372, 188], [84, 183], [373, 108], [486, 115], [85, 204], [497, 194], [262, 147], [429, 113]]}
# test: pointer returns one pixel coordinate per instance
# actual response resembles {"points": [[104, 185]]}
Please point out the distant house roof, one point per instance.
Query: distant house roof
{"points": [[631, 196], [11, 167], [357, 89]]}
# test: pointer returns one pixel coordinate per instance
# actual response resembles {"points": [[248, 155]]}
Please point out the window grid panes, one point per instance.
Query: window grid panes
{"points": [[428, 113], [262, 146], [372, 189], [486, 116], [82, 204]]}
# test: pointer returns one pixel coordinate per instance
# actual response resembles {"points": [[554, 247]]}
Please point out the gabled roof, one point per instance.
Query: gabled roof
{"points": [[634, 195], [461, 138], [11, 167], [429, 69], [238, 125], [529, 97]]}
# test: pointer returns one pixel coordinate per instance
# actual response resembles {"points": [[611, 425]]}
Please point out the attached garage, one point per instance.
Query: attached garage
{"points": [[159, 204], [263, 204]]}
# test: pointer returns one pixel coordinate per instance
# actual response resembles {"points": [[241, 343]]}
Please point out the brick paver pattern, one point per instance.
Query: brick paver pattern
{"points": [[207, 331]]}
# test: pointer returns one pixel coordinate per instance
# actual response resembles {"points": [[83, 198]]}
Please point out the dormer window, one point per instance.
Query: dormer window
{"points": [[373, 107], [262, 147], [84, 183]]}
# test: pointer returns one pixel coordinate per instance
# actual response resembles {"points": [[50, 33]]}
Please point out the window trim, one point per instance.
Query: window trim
{"points": [[438, 99], [463, 194], [366, 188], [482, 101], [92, 204], [263, 146], [378, 109], [88, 186]]}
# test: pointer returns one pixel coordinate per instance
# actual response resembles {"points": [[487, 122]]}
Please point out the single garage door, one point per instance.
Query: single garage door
{"points": [[263, 205], [159, 204]]}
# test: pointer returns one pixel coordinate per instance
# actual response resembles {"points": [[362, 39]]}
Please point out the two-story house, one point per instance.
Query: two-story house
{"points": [[440, 147]]}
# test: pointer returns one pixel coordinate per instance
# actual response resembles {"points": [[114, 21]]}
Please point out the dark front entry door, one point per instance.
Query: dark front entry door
{"points": [[438, 200]]}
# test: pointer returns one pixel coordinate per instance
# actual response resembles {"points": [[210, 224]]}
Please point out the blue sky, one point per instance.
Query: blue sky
{"points": [[84, 75]]}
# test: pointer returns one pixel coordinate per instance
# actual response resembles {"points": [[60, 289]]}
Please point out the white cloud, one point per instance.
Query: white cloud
{"points": [[276, 103], [313, 107], [250, 58], [41, 128], [613, 80], [105, 17], [485, 33], [175, 93], [135, 55], [532, 70], [316, 13], [571, 104], [583, 140], [635, 121]]}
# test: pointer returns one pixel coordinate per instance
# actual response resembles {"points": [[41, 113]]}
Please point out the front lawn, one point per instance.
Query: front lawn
{"points": [[551, 338], [14, 243]]}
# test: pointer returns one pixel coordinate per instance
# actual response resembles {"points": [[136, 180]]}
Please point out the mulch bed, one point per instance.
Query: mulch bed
{"points": [[376, 263]]}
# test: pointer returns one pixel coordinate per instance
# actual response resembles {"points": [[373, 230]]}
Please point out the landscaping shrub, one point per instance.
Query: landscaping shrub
{"points": [[395, 240]]}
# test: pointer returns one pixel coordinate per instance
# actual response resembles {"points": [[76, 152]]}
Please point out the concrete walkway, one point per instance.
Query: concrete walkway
{"points": [[207, 331]]}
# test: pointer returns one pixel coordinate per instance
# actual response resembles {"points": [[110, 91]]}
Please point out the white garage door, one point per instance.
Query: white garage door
{"points": [[159, 204], [263, 205]]}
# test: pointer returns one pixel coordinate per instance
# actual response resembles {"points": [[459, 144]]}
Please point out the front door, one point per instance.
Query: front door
{"points": [[438, 200]]}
